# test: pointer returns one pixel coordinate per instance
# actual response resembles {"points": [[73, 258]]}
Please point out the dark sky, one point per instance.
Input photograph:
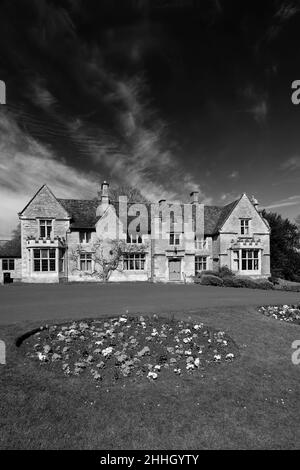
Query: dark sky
{"points": [[167, 96]]}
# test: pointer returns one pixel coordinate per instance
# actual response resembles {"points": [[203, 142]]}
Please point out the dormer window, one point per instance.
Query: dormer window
{"points": [[134, 238], [84, 237], [45, 228], [245, 227]]}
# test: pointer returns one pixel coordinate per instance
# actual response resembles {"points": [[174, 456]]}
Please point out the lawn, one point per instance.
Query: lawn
{"points": [[249, 403]]}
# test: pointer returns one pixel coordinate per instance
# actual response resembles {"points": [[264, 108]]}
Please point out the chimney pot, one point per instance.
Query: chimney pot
{"points": [[104, 199], [194, 195], [255, 202]]}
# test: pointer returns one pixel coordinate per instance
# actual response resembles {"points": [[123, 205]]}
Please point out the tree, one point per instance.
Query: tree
{"points": [[297, 222], [106, 256], [284, 245], [133, 194], [13, 246]]}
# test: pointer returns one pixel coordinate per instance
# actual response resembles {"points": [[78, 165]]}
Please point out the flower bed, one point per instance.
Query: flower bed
{"points": [[288, 313], [129, 348]]}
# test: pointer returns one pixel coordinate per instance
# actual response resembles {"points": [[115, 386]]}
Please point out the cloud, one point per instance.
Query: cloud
{"points": [[282, 15], [290, 201], [226, 198], [25, 165], [260, 112], [293, 163], [287, 11], [258, 103], [79, 112], [234, 174]]}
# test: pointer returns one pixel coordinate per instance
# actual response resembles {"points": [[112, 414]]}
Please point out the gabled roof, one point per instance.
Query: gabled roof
{"points": [[81, 211], [83, 214], [35, 195]]}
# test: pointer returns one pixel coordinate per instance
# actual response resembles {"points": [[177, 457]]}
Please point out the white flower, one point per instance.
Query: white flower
{"points": [[229, 356], [107, 351], [42, 357], [198, 326], [152, 375], [187, 340], [197, 362], [188, 352]]}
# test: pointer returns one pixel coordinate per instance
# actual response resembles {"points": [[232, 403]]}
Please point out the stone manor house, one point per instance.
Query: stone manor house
{"points": [[58, 239]]}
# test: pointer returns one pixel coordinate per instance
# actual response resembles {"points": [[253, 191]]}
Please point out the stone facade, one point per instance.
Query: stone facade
{"points": [[10, 269], [61, 239]]}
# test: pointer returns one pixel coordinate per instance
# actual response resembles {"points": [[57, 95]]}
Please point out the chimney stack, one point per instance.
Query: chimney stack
{"points": [[194, 197], [104, 199], [255, 202]]}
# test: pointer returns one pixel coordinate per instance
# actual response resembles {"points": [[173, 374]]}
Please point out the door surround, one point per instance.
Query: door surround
{"points": [[174, 267]]}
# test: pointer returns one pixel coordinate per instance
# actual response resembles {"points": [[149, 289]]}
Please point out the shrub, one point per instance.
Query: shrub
{"points": [[229, 282], [264, 284], [290, 288], [225, 272], [274, 280], [211, 280], [245, 282]]}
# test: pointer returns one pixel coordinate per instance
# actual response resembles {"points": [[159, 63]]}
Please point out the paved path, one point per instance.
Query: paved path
{"points": [[46, 301]]}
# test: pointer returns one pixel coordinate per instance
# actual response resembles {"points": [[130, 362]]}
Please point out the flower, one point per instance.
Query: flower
{"points": [[197, 362], [229, 356], [152, 375], [107, 351], [198, 326], [42, 357]]}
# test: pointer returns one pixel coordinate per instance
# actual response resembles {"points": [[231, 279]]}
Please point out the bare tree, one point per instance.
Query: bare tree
{"points": [[106, 257]]}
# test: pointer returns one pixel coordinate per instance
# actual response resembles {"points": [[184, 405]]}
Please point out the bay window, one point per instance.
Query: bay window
{"points": [[44, 259], [246, 260]]}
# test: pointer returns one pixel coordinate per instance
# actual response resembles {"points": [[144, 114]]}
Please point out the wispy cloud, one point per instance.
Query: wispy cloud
{"points": [[258, 101], [234, 175], [287, 11], [293, 163], [290, 201], [282, 15], [25, 165]]}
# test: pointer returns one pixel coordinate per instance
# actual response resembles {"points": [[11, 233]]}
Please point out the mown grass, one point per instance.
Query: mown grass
{"points": [[251, 403]]}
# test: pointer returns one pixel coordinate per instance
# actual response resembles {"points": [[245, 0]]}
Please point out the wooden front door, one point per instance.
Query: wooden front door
{"points": [[174, 269]]}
